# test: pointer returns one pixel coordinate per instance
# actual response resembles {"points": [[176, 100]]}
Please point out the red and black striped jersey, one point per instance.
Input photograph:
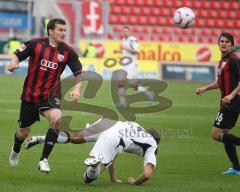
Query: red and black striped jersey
{"points": [[228, 73], [46, 64]]}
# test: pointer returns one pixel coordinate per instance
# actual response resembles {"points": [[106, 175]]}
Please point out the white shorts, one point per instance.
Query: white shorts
{"points": [[106, 145], [132, 71]]}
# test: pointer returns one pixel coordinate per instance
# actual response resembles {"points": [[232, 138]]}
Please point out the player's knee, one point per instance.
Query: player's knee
{"points": [[23, 133], [215, 135], [55, 122]]}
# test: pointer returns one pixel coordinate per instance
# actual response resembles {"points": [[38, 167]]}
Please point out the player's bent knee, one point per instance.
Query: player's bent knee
{"points": [[23, 133]]}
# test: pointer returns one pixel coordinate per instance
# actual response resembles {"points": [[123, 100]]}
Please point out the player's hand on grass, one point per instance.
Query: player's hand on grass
{"points": [[131, 180], [200, 91], [75, 95], [12, 67], [117, 181]]}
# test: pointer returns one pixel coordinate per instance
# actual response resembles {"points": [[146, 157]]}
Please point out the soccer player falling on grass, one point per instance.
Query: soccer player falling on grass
{"points": [[228, 83], [47, 59], [111, 137]]}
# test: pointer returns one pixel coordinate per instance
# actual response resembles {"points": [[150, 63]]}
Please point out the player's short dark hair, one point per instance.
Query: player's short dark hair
{"points": [[52, 23], [228, 36], [155, 135]]}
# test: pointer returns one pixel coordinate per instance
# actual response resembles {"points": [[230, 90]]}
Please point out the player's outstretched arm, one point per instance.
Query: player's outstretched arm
{"points": [[201, 90], [112, 173], [147, 172]]}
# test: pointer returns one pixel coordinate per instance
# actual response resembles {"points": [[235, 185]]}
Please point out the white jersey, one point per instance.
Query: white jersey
{"points": [[130, 58], [125, 136]]}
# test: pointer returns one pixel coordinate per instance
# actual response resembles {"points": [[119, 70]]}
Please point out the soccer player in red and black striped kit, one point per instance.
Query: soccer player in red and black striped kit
{"points": [[47, 59], [229, 84]]}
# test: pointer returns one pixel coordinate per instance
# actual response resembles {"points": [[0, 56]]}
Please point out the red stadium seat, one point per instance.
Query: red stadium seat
{"points": [[234, 5], [142, 38], [206, 32], [146, 29], [155, 11], [196, 4], [151, 20], [122, 19], [136, 10], [187, 3], [228, 23], [236, 23], [147, 3], [157, 30], [132, 19], [191, 39], [113, 19], [206, 4], [157, 3], [139, 2], [115, 9], [137, 29], [212, 13], [164, 38], [232, 14], [215, 32], [153, 38], [219, 23], [142, 20], [212, 40], [235, 33], [176, 3], [209, 23], [215, 5], [161, 21], [126, 10], [144, 11], [225, 5], [117, 28], [163, 12], [120, 2]]}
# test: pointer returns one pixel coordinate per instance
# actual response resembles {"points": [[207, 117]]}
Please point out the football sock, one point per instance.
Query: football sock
{"points": [[122, 95], [92, 172], [63, 137], [51, 139], [17, 144], [148, 93], [232, 155], [230, 139]]}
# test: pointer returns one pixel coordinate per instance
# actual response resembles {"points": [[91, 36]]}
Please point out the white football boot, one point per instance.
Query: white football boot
{"points": [[43, 166]]}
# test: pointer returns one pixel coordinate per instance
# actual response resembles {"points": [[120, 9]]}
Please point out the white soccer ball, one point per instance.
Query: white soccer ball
{"points": [[184, 18]]}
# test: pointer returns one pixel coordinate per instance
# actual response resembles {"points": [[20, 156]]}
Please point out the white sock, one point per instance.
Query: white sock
{"points": [[141, 89], [149, 94], [63, 138], [93, 172], [41, 139], [122, 95]]}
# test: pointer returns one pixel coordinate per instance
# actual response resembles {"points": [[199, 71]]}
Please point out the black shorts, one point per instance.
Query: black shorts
{"points": [[29, 111], [226, 119]]}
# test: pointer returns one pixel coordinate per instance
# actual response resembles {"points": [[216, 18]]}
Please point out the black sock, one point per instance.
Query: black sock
{"points": [[230, 139], [17, 144], [51, 139], [232, 155]]}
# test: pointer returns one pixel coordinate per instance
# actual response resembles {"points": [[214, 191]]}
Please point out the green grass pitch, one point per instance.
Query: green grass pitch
{"points": [[188, 159]]}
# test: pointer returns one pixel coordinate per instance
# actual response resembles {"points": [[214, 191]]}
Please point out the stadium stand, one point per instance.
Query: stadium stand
{"points": [[211, 18]]}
